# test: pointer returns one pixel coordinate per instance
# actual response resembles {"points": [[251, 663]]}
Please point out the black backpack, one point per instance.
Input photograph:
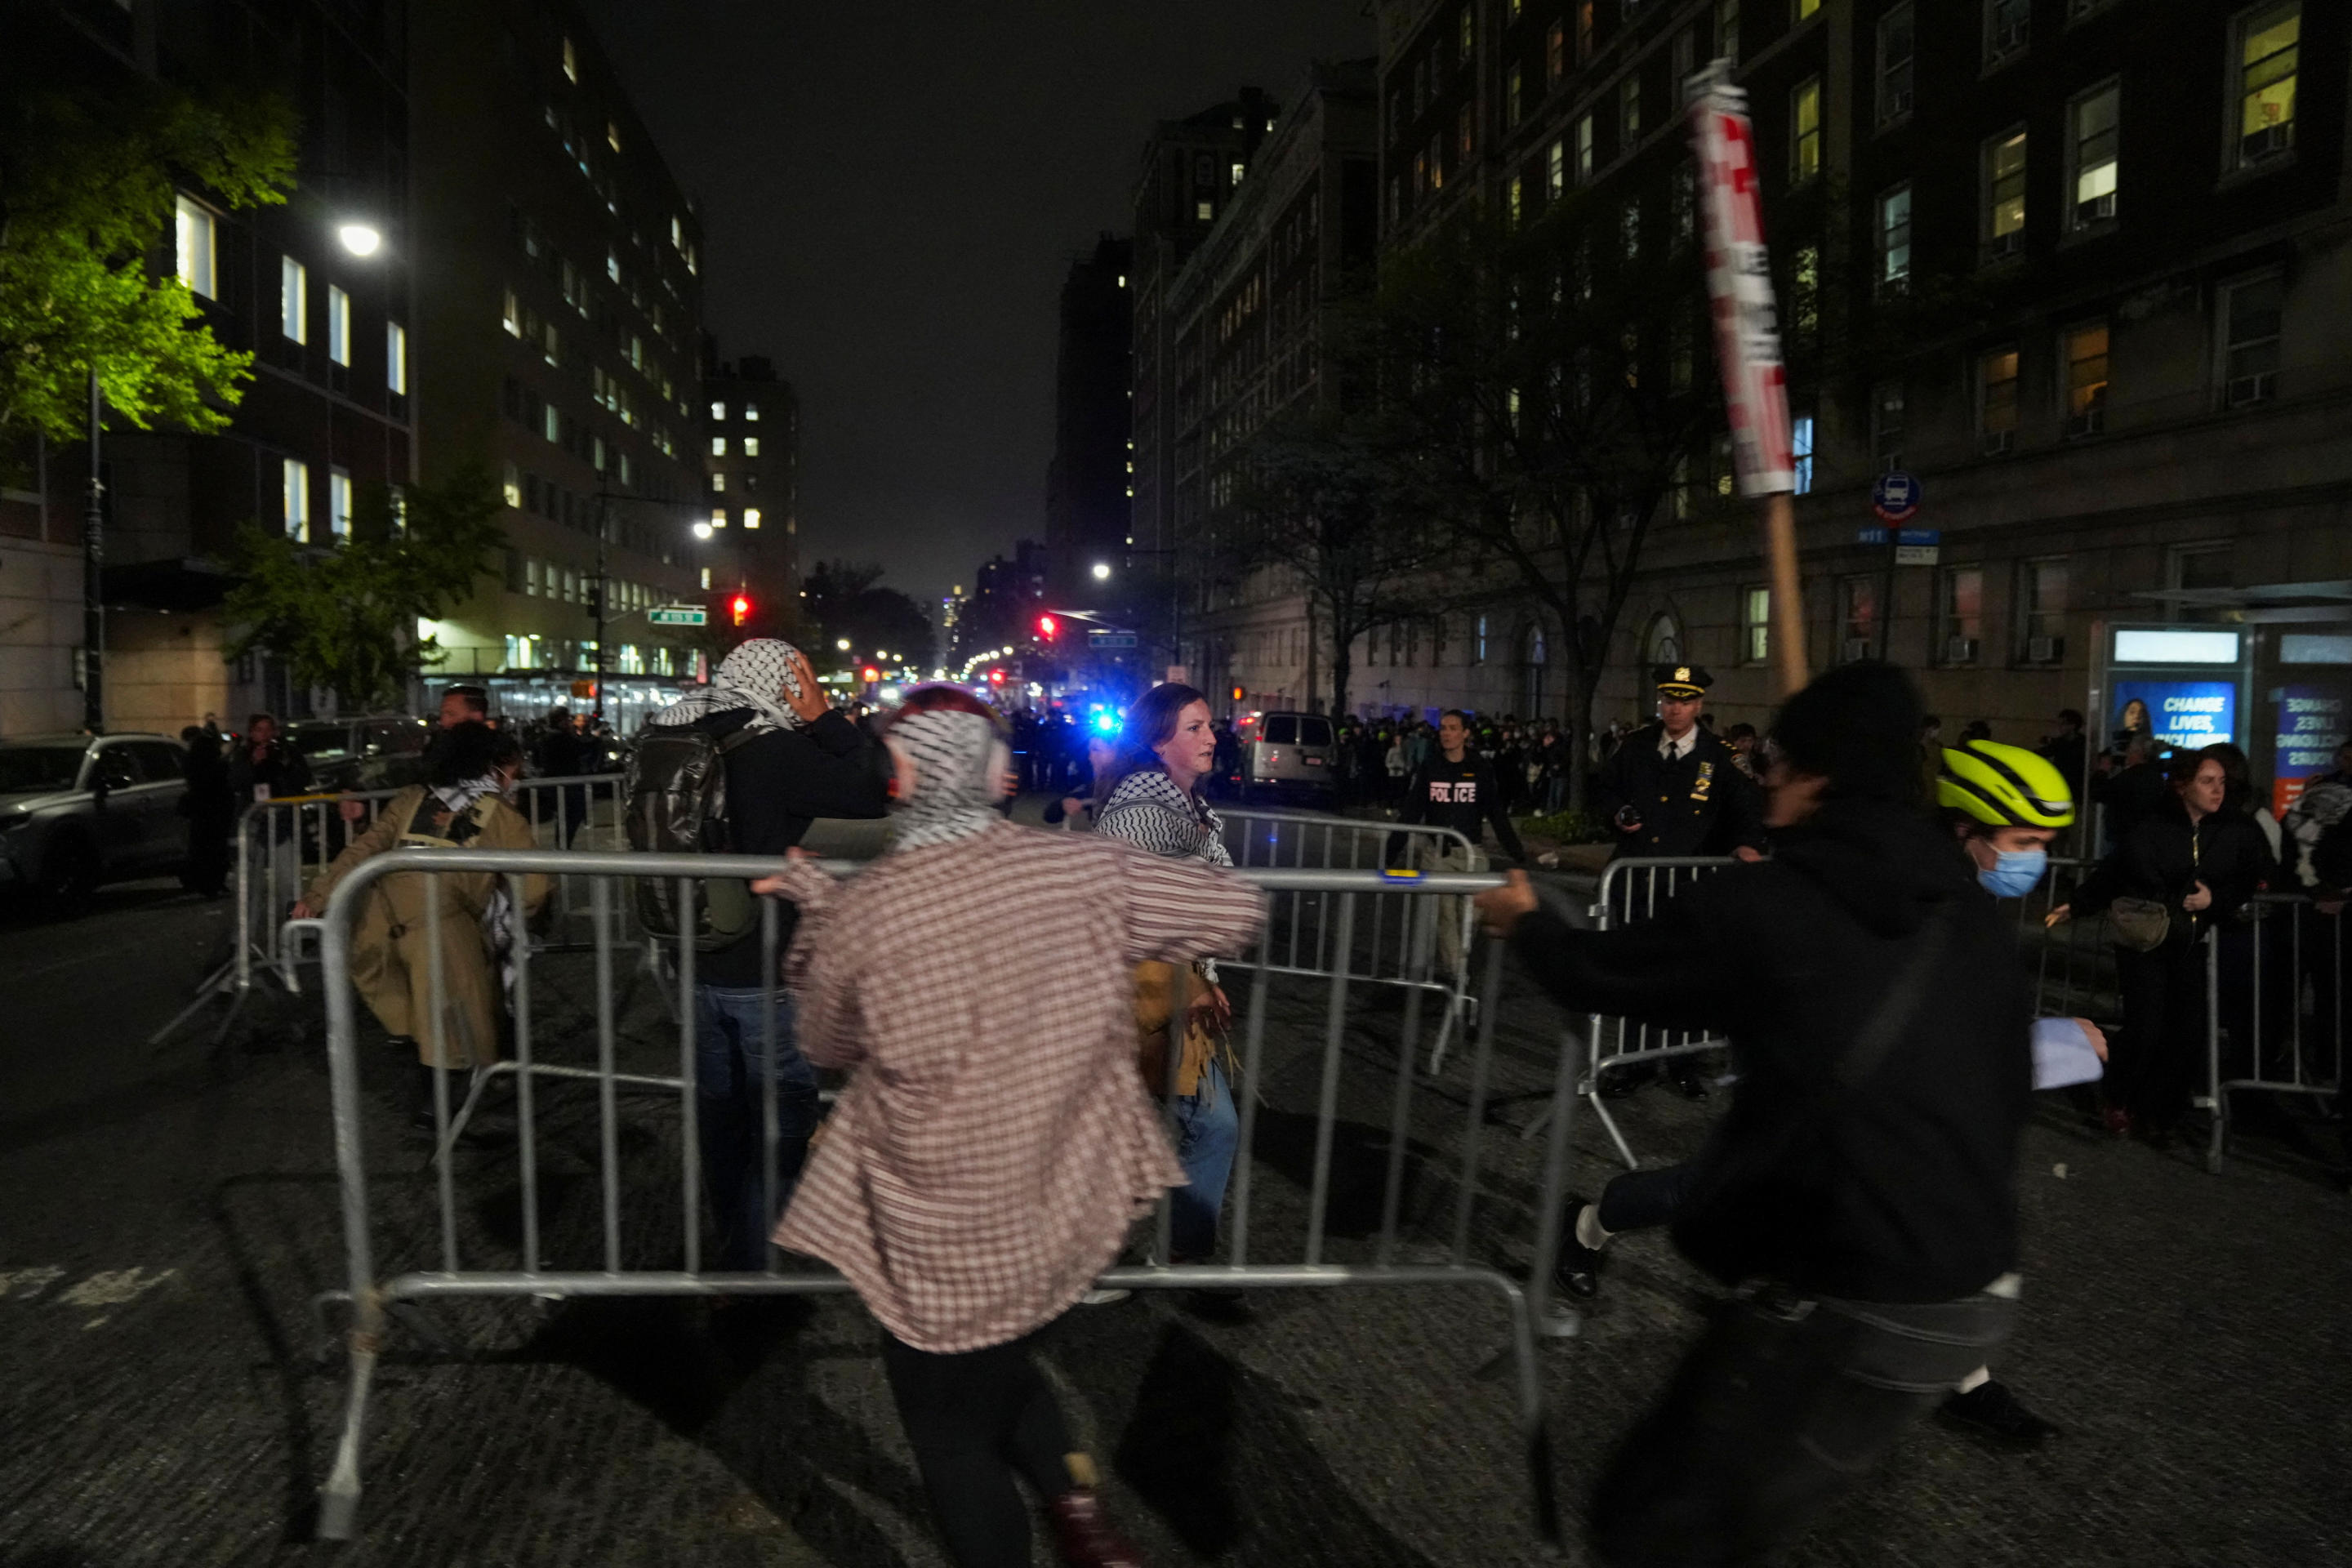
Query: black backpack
{"points": [[673, 792]]}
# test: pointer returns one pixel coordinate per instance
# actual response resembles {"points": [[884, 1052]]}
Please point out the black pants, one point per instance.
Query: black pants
{"points": [[976, 1420], [1782, 1408], [2158, 1060], [1641, 1200]]}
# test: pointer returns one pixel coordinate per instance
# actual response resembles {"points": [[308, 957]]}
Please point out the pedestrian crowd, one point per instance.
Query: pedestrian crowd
{"points": [[997, 1138]]}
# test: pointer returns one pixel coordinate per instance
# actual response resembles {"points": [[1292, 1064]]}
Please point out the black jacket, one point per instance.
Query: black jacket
{"points": [[2164, 859], [777, 784], [1902, 1188], [1464, 796], [285, 770], [2131, 796], [1700, 803]]}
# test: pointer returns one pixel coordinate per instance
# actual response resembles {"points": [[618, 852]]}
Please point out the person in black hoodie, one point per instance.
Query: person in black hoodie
{"points": [[805, 760], [1861, 1192], [1459, 789]]}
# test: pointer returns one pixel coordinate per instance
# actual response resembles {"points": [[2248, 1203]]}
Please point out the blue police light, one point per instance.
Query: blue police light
{"points": [[1105, 721]]}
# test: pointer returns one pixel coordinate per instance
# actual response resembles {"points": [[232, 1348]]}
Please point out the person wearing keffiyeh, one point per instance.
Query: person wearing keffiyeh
{"points": [[468, 768], [993, 1145]]}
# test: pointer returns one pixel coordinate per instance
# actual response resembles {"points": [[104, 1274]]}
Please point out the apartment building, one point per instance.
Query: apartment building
{"points": [[752, 461]]}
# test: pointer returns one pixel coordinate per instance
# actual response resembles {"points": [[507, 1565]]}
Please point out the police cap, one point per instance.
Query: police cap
{"points": [[1683, 680]]}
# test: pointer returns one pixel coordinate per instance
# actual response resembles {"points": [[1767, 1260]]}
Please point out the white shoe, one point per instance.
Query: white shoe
{"points": [[1103, 1298]]}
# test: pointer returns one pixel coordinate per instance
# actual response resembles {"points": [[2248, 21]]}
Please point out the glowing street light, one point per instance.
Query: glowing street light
{"points": [[701, 531], [360, 238], [1102, 570], [841, 643]]}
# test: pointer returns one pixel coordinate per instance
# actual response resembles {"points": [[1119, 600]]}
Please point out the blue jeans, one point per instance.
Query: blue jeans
{"points": [[1208, 1130], [729, 1066]]}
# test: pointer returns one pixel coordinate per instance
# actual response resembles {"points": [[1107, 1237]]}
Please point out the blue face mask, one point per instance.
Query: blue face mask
{"points": [[2014, 875]]}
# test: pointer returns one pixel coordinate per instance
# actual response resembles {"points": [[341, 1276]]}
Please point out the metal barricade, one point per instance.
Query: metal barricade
{"points": [[1300, 923], [283, 844], [571, 1253], [2274, 1007]]}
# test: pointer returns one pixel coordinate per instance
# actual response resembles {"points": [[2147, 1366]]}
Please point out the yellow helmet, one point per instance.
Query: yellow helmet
{"points": [[2004, 786]]}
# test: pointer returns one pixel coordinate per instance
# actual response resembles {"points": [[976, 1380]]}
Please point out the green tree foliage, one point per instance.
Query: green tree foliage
{"points": [[847, 600], [87, 220], [346, 617]]}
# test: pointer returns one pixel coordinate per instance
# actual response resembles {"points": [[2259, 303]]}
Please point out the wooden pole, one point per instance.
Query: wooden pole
{"points": [[1788, 593]]}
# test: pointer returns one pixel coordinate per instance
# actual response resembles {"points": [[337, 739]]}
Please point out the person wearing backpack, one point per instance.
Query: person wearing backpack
{"points": [[468, 768], [786, 757]]}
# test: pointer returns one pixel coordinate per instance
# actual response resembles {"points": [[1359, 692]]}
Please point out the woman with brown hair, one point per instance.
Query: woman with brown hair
{"points": [[1152, 798], [994, 1146]]}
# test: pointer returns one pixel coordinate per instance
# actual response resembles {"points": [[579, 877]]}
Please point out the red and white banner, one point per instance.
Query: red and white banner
{"points": [[1739, 286]]}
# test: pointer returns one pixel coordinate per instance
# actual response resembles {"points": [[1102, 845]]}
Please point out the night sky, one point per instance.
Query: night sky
{"points": [[891, 194]]}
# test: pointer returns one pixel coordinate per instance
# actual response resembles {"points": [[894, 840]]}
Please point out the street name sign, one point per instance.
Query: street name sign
{"points": [[1898, 536], [678, 615]]}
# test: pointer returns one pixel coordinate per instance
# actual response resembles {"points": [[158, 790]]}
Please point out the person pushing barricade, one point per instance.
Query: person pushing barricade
{"points": [[461, 805], [994, 1142], [1860, 1195], [1456, 788], [744, 768]]}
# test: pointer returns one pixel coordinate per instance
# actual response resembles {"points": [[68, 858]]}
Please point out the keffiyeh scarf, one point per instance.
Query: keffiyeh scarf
{"points": [[1150, 812], [751, 677], [960, 765]]}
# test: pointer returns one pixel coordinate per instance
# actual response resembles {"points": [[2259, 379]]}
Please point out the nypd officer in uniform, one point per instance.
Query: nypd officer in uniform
{"points": [[1673, 789]]}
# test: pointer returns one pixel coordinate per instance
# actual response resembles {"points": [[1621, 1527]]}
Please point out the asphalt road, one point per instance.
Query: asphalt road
{"points": [[171, 1214]]}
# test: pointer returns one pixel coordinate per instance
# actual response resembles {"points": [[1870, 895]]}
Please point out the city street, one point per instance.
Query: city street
{"points": [[172, 1213]]}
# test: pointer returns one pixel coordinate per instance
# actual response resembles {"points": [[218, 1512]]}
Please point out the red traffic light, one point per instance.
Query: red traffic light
{"points": [[741, 607], [1047, 626], [870, 674], [996, 677]]}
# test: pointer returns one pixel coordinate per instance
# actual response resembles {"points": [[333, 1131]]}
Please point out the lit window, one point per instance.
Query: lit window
{"points": [[2042, 606], [2268, 50], [751, 517], [750, 446], [719, 517], [676, 233], [551, 423], [1997, 399], [2092, 138], [1895, 237], [1800, 447], [1584, 151], [2086, 380], [196, 244], [1756, 624], [1629, 111], [1513, 106], [339, 503], [2004, 175], [719, 445], [511, 319], [1205, 211], [2249, 340], [570, 62], [1239, 168], [293, 300], [295, 506], [1897, 52], [718, 484], [612, 135], [339, 325], [706, 576], [1805, 130], [1960, 608], [719, 413], [612, 266], [751, 410], [1556, 169], [395, 358], [1803, 10], [513, 486], [550, 352]]}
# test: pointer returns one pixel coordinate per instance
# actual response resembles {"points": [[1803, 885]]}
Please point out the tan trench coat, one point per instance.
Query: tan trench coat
{"points": [[391, 964]]}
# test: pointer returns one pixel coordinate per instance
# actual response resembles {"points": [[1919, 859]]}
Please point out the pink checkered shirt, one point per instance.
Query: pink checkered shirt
{"points": [[996, 1142]]}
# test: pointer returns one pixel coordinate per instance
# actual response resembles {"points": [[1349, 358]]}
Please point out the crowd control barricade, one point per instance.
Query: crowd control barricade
{"points": [[645, 1243], [2274, 1007], [283, 844], [1304, 934]]}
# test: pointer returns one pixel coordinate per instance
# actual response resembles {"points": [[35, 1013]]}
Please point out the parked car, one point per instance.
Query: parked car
{"points": [[379, 751], [77, 811], [1290, 756]]}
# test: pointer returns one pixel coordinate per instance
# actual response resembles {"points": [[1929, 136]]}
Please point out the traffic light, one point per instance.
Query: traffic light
{"points": [[996, 677], [741, 606], [1047, 626], [1238, 694], [870, 674]]}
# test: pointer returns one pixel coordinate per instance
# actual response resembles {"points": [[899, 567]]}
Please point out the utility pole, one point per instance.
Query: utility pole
{"points": [[93, 602]]}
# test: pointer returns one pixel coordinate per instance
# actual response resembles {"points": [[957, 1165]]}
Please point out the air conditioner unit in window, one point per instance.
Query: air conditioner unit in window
{"points": [[2099, 209], [1856, 648], [1992, 443], [1960, 651], [2248, 389], [2000, 245], [1898, 103], [2009, 38], [2044, 650], [2088, 423], [2268, 143]]}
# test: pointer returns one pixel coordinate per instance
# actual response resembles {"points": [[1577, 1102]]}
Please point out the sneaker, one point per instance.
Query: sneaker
{"points": [[1990, 1410], [1577, 1269], [1085, 1536]]}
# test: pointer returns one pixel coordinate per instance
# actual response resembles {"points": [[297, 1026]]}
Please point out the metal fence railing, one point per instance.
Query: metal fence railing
{"points": [[628, 1241], [1300, 923], [2274, 1007]]}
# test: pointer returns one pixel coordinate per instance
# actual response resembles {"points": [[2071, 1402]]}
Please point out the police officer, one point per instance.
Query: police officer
{"points": [[1672, 788]]}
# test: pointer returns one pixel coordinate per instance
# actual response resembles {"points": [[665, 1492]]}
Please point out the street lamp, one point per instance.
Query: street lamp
{"points": [[1102, 570], [360, 238], [841, 643], [701, 531]]}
